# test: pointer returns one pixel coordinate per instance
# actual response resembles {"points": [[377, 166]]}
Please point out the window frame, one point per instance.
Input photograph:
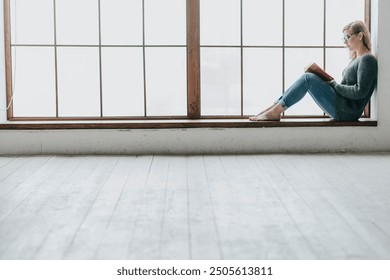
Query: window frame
{"points": [[193, 49]]}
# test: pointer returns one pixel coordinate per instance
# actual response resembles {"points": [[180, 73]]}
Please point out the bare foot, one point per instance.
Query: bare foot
{"points": [[271, 114], [265, 117], [265, 110]]}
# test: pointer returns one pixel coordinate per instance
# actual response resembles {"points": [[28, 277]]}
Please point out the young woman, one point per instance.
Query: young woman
{"points": [[344, 101]]}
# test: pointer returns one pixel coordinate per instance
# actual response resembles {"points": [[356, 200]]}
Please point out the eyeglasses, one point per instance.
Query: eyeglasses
{"points": [[346, 37]]}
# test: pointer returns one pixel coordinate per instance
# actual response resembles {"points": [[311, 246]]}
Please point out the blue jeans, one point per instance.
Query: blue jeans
{"points": [[322, 93]]}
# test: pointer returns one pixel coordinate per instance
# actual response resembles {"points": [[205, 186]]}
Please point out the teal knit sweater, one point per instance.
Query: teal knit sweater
{"points": [[356, 87]]}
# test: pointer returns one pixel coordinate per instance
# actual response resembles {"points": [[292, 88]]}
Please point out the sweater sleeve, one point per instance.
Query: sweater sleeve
{"points": [[366, 75]]}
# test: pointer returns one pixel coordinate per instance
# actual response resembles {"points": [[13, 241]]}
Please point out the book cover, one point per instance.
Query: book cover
{"points": [[315, 69]]}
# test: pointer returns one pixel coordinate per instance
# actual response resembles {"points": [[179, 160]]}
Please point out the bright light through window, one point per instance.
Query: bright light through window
{"points": [[128, 59]]}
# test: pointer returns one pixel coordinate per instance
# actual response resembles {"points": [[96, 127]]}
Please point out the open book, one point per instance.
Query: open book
{"points": [[315, 69]]}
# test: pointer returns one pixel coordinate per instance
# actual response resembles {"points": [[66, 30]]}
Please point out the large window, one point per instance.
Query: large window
{"points": [[143, 59]]}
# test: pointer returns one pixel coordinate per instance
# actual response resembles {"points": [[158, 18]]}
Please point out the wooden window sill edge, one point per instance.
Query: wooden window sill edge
{"points": [[182, 124]]}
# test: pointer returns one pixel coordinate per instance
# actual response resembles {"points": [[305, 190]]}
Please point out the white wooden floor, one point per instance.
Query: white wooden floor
{"points": [[334, 206]]}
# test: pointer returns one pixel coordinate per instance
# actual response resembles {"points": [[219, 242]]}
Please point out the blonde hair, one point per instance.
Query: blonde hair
{"points": [[357, 27]]}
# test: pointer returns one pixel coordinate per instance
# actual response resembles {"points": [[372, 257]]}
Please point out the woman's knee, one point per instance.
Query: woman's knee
{"points": [[307, 77], [312, 79], [310, 76]]}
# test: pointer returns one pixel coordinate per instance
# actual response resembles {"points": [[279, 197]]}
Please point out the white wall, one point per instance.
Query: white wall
{"points": [[3, 114], [243, 140]]}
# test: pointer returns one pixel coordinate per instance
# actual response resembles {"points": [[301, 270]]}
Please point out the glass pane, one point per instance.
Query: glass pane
{"points": [[123, 83], [304, 22], [220, 22], [166, 79], [121, 22], [77, 22], [78, 82], [337, 18], [336, 61], [262, 22], [34, 82], [262, 78], [165, 22], [296, 61], [220, 81], [27, 27]]}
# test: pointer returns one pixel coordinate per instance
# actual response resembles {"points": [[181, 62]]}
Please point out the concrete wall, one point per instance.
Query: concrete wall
{"points": [[243, 140]]}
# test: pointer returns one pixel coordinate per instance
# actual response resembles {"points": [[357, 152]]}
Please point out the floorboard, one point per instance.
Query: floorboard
{"points": [[277, 206], [117, 237], [23, 231], [204, 235], [174, 240], [87, 237]]}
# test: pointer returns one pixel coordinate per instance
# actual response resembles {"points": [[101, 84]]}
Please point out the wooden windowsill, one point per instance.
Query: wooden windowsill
{"points": [[185, 123]]}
